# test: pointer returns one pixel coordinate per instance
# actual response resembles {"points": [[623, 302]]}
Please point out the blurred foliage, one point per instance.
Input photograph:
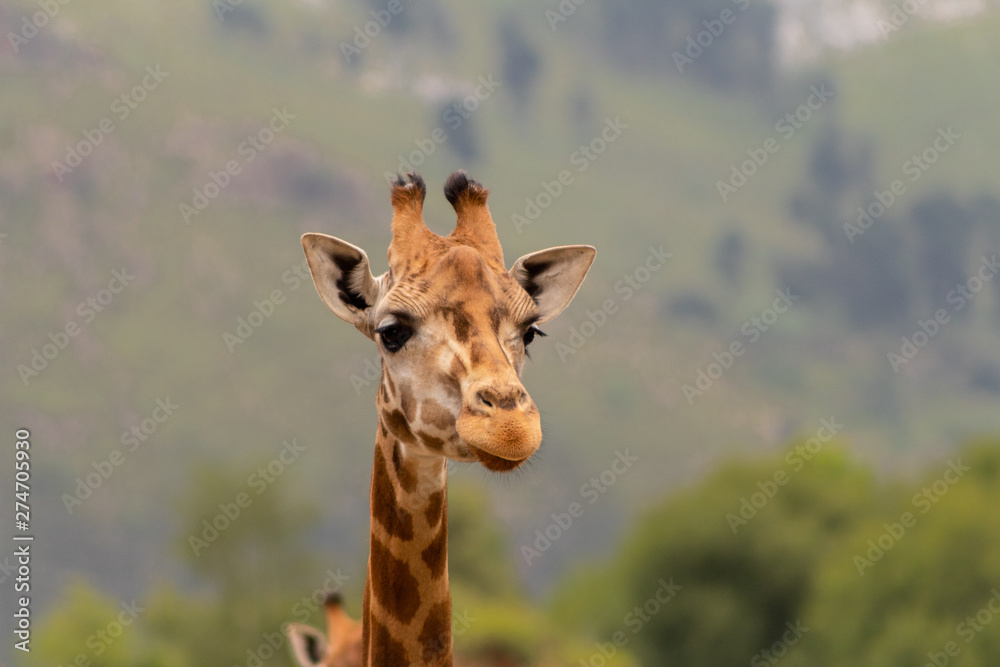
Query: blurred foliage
{"points": [[478, 554], [85, 624], [929, 587], [249, 556], [759, 561], [788, 583], [253, 525]]}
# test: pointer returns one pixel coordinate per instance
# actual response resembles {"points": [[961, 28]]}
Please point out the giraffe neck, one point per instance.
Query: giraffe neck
{"points": [[407, 603]]}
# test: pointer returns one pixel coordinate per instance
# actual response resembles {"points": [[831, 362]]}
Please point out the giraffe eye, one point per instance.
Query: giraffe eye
{"points": [[394, 336], [530, 334]]}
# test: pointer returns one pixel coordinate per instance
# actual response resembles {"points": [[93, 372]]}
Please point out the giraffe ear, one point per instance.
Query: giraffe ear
{"points": [[552, 277], [307, 644], [342, 276]]}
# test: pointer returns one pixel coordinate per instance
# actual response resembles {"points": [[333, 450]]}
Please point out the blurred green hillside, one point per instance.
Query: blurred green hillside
{"points": [[608, 380]]}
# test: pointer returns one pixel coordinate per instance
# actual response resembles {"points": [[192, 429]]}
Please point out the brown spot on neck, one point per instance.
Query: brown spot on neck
{"points": [[396, 521], [398, 426], [435, 636], [436, 553], [404, 473], [393, 585], [433, 442], [435, 509], [386, 650]]}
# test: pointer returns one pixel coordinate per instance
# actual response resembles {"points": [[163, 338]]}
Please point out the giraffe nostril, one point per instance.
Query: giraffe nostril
{"points": [[490, 399]]}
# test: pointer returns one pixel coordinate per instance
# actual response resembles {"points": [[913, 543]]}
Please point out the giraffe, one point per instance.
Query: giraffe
{"points": [[452, 325], [341, 647]]}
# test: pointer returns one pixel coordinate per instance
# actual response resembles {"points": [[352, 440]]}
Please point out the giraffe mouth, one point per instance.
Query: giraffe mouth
{"points": [[501, 441], [495, 463]]}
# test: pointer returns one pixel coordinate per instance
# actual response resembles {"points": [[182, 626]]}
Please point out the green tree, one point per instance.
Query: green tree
{"points": [[246, 540], [80, 625], [918, 577], [252, 566], [479, 554], [742, 547]]}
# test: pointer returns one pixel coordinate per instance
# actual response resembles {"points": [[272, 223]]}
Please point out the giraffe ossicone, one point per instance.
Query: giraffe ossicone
{"points": [[452, 325]]}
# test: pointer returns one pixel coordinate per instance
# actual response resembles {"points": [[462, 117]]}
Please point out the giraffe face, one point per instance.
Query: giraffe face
{"points": [[452, 340], [451, 323]]}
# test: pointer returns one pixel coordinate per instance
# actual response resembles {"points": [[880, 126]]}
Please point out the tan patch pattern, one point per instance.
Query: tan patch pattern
{"points": [[435, 443], [434, 414], [408, 402]]}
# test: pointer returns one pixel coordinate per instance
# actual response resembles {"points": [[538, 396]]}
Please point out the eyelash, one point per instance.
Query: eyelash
{"points": [[395, 335], [530, 334]]}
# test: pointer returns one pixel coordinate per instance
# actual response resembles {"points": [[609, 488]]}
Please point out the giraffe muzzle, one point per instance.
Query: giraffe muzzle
{"points": [[502, 427]]}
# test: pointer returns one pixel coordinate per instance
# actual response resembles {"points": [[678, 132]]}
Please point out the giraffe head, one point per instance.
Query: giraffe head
{"points": [[340, 647], [452, 324]]}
